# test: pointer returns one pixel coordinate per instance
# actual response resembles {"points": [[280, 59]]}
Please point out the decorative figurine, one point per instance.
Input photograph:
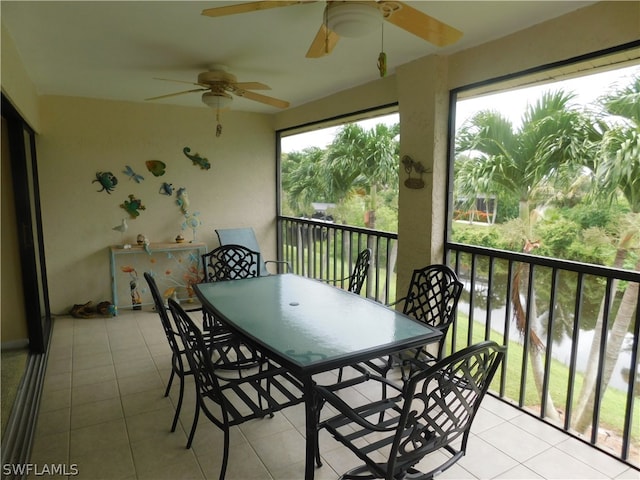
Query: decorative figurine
{"points": [[197, 159], [166, 189], [122, 228], [156, 167], [183, 200], [128, 171], [107, 180], [132, 206], [140, 239]]}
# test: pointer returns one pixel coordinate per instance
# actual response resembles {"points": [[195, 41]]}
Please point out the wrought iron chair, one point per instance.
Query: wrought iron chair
{"points": [[228, 401], [230, 262], [247, 238], [179, 364], [432, 298], [433, 412], [359, 273]]}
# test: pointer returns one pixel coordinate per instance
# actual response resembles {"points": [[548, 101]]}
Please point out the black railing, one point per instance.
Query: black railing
{"points": [[328, 251], [563, 322], [566, 324]]}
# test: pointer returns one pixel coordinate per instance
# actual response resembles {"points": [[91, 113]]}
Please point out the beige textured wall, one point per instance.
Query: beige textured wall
{"points": [[82, 136], [16, 84]]}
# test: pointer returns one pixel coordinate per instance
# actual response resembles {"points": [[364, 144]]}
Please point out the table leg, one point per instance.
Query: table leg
{"points": [[311, 431]]}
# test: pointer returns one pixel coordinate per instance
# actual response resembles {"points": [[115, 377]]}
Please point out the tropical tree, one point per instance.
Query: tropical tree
{"points": [[357, 162], [616, 170], [304, 179], [529, 162], [364, 161]]}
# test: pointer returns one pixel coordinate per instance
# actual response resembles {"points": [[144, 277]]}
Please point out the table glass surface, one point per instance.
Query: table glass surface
{"points": [[307, 321]]}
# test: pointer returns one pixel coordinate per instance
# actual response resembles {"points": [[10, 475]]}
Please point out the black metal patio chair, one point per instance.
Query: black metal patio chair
{"points": [[432, 412], [230, 262], [432, 298], [227, 401], [246, 237], [358, 275], [179, 363]]}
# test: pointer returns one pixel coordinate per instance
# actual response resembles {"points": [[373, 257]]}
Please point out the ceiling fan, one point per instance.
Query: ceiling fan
{"points": [[355, 18], [219, 86]]}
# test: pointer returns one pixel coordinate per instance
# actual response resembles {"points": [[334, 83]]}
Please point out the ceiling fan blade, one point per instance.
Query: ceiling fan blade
{"points": [[323, 43], [252, 86], [175, 81], [274, 102], [248, 7], [420, 24], [177, 93]]}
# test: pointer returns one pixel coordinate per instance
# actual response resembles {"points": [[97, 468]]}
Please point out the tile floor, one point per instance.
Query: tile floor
{"points": [[103, 410]]}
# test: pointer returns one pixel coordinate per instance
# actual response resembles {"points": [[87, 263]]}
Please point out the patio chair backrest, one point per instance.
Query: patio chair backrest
{"points": [[441, 403], [360, 271], [161, 308], [230, 262], [245, 237], [433, 296]]}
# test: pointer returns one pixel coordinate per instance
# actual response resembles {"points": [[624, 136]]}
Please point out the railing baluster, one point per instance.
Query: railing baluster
{"points": [[487, 328], [575, 334], [631, 393], [601, 360], [549, 345]]}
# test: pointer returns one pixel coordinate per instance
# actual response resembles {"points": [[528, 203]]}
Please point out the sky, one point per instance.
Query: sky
{"points": [[511, 104]]}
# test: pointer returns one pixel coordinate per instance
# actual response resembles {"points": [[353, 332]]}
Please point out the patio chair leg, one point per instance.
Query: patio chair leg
{"points": [[196, 416], [179, 406], [225, 454], [166, 392]]}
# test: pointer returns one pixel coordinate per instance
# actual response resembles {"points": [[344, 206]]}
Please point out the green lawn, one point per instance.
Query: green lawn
{"points": [[613, 404]]}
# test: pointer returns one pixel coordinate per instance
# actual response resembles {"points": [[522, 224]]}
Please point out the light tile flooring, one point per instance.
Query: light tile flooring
{"points": [[103, 410]]}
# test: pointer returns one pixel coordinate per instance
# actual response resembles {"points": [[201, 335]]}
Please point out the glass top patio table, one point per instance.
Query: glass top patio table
{"points": [[310, 327]]}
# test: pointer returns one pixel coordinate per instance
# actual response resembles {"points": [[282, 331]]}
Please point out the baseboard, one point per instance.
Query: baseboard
{"points": [[15, 344]]}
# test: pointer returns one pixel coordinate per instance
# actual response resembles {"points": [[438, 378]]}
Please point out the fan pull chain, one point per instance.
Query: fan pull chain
{"points": [[382, 58], [219, 125]]}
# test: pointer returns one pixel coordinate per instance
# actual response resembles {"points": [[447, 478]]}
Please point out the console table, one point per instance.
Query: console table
{"points": [[175, 266]]}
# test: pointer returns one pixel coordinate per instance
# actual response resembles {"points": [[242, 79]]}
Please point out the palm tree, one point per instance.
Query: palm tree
{"points": [[616, 172], [526, 162], [304, 179], [364, 161]]}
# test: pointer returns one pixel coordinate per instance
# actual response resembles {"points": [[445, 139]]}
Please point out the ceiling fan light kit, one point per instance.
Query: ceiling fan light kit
{"points": [[217, 100], [353, 19]]}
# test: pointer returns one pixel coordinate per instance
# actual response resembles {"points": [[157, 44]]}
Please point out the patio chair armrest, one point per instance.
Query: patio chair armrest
{"points": [[280, 262], [392, 304], [334, 280]]}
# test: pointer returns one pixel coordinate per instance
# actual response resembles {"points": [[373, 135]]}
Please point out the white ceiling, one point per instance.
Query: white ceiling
{"points": [[114, 50]]}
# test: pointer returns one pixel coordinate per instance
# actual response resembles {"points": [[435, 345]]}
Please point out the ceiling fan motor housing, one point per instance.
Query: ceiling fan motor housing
{"points": [[213, 77], [353, 19]]}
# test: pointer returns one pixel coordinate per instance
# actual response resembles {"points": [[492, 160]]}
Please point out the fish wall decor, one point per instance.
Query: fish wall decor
{"points": [[156, 167]]}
